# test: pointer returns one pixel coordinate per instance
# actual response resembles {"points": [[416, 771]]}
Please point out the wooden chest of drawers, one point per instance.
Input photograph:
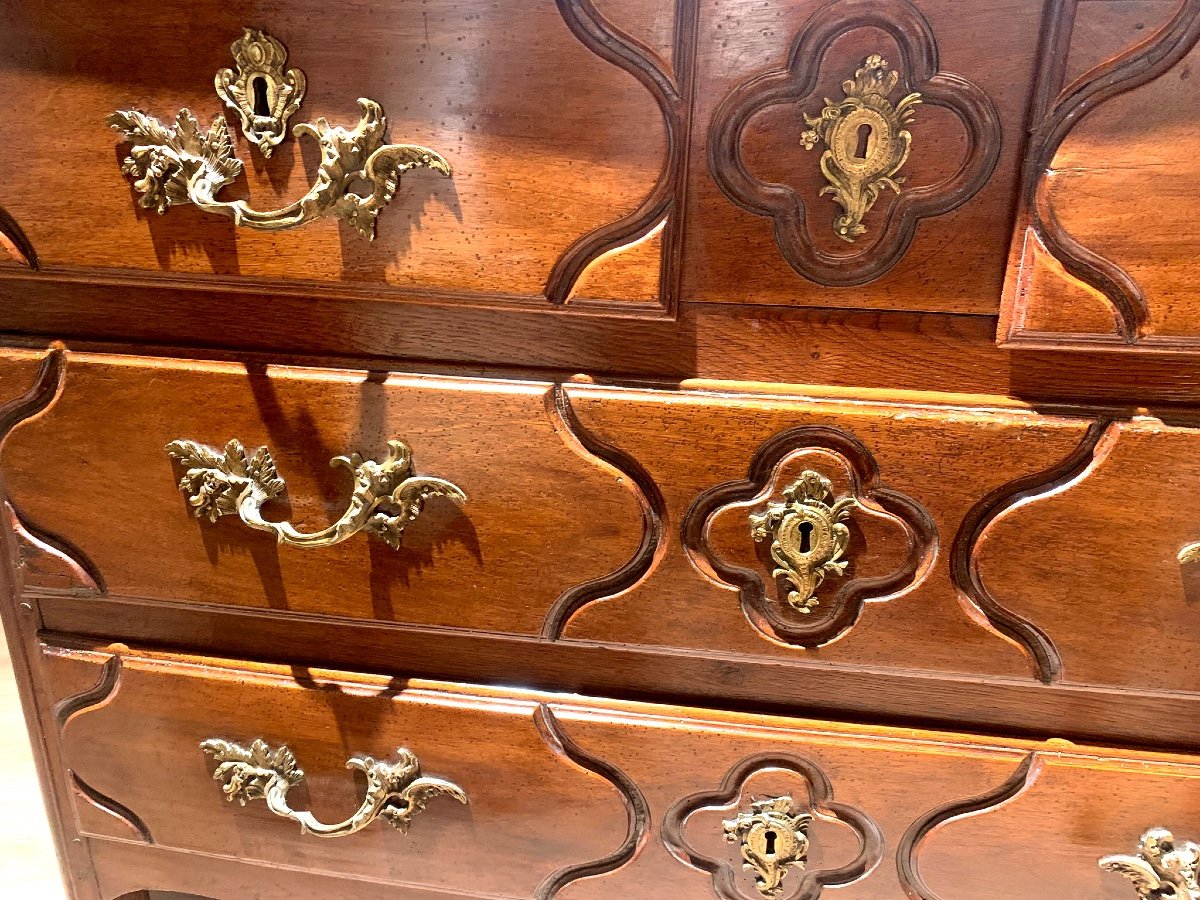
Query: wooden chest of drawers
{"points": [[661, 450]]}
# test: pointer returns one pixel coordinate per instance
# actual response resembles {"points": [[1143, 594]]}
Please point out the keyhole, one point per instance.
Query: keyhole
{"points": [[806, 530], [261, 105], [864, 140], [770, 839]]}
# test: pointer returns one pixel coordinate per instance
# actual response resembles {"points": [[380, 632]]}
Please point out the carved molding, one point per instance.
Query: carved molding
{"points": [[669, 90], [964, 569], [650, 499], [111, 807], [33, 544], [47, 384], [833, 615], [1139, 65], [98, 696], [49, 561], [636, 806], [796, 83], [12, 233], [908, 852], [807, 883]]}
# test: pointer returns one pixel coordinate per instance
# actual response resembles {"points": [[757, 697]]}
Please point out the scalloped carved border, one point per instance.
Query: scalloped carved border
{"points": [[908, 851], [47, 384], [98, 696], [1135, 67], [672, 94], [820, 799], [919, 66], [636, 806], [846, 606], [111, 807], [650, 499], [46, 387], [15, 236], [964, 569], [35, 545]]}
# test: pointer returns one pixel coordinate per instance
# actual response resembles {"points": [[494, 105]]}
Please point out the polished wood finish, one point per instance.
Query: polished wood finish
{"points": [[516, 153], [775, 244], [604, 779], [1102, 251], [497, 564], [624, 326]]}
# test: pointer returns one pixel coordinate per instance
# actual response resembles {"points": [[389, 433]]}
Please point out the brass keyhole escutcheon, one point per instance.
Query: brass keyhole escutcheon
{"points": [[866, 143], [808, 537], [773, 839]]}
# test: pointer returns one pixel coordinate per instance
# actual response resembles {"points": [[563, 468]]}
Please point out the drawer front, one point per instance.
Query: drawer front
{"points": [[494, 562], [589, 798], [620, 156], [555, 153], [798, 196], [926, 550], [1102, 252], [1000, 542]]}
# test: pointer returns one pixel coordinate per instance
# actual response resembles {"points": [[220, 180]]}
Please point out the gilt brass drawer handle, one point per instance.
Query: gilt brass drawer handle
{"points": [[395, 791], [181, 163], [387, 495], [808, 536], [1164, 868], [772, 840]]}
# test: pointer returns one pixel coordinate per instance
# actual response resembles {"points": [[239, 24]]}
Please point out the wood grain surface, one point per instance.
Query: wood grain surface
{"points": [[1102, 249], [548, 141], [496, 564], [860, 782]]}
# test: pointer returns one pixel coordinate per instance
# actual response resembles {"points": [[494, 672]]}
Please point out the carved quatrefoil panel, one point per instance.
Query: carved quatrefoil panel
{"points": [[859, 213], [810, 536], [772, 829]]}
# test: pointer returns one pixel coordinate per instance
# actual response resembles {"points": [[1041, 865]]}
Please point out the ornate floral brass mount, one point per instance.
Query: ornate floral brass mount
{"points": [[808, 536], [865, 140], [387, 495], [772, 839], [395, 791], [1189, 553], [259, 92], [1164, 869], [181, 163]]}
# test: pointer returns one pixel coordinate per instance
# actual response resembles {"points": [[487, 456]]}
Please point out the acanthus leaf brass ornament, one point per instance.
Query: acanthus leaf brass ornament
{"points": [[259, 92], [808, 536], [180, 163], [772, 839], [855, 179], [1163, 869], [1189, 553], [395, 791], [387, 495]]}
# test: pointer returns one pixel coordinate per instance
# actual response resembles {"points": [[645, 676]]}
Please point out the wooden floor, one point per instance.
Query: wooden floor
{"points": [[28, 867]]}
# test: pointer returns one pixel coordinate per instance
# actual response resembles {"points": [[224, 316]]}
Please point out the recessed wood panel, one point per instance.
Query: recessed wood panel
{"points": [[926, 474], [1105, 240], [1096, 562], [93, 475], [633, 796], [551, 136], [760, 231]]}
